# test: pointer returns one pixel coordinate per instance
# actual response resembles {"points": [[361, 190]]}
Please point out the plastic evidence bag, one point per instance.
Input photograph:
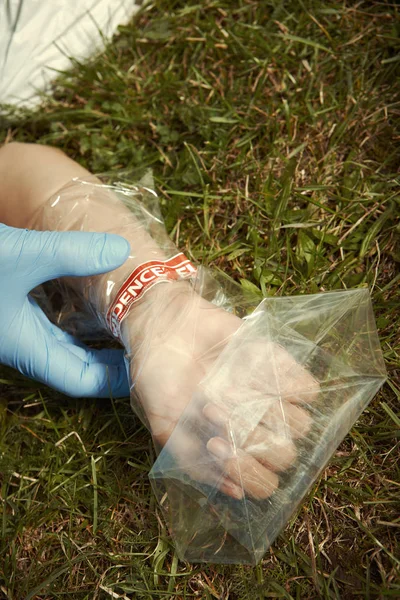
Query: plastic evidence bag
{"points": [[246, 404]]}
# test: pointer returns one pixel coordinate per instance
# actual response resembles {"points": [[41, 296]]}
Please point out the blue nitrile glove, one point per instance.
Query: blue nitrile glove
{"points": [[29, 342]]}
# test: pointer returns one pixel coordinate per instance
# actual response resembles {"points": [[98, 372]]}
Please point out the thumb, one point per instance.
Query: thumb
{"points": [[54, 254]]}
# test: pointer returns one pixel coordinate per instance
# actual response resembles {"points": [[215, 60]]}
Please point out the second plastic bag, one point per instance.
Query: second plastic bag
{"points": [[258, 399]]}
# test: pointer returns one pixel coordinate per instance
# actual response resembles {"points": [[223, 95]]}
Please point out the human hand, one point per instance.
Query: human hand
{"points": [[229, 406], [32, 344]]}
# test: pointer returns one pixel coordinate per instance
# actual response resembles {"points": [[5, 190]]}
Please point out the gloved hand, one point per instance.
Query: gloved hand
{"points": [[29, 342]]}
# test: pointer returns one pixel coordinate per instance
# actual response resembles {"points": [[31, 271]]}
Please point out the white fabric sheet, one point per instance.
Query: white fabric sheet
{"points": [[38, 37]]}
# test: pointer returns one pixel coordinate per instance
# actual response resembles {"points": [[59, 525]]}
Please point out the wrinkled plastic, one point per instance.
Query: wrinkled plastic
{"points": [[245, 404], [333, 336]]}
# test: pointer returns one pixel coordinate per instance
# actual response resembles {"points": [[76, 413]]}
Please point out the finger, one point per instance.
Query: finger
{"points": [[277, 452], [274, 448], [111, 367], [81, 376], [269, 369], [287, 419], [46, 255], [244, 470], [109, 357], [300, 388], [184, 443], [68, 368], [190, 458], [61, 335], [105, 356], [282, 418], [229, 488]]}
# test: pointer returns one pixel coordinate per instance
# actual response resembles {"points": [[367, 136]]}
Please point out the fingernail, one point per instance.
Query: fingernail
{"points": [[219, 448]]}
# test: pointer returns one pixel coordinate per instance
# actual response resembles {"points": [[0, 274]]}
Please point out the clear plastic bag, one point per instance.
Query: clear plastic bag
{"points": [[245, 404]]}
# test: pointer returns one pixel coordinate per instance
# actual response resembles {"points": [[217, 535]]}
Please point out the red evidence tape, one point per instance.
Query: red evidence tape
{"points": [[141, 280]]}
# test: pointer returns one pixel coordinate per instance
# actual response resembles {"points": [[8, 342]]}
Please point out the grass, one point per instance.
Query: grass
{"points": [[273, 132]]}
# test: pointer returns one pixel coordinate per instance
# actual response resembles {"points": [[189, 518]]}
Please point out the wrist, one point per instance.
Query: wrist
{"points": [[154, 316], [173, 315]]}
